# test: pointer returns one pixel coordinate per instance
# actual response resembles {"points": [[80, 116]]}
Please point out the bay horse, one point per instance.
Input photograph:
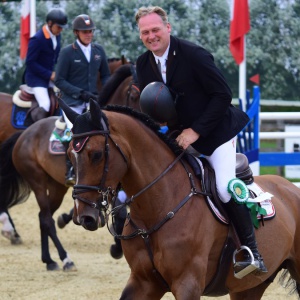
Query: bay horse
{"points": [[121, 89], [171, 239], [33, 168]]}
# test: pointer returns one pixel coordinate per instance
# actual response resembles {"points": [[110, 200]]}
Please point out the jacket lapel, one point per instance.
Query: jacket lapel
{"points": [[172, 59]]}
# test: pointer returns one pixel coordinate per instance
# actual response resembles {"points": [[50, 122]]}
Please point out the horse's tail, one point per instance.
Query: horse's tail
{"points": [[13, 188], [287, 281]]}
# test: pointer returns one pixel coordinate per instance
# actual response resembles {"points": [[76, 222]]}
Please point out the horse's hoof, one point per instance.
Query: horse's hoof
{"points": [[16, 239], [13, 236], [69, 267], [53, 267], [116, 252], [61, 223]]}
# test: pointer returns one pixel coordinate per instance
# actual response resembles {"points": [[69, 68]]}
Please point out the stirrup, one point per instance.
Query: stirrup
{"points": [[242, 268]]}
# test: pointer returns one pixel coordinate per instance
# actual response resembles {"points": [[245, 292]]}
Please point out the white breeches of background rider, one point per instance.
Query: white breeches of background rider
{"points": [[79, 109], [223, 161], [42, 96]]}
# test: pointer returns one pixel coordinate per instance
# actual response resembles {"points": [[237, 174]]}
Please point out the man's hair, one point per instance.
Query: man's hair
{"points": [[144, 11]]}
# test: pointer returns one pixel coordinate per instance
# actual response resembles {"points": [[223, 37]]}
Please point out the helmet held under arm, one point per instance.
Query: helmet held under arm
{"points": [[157, 101]]}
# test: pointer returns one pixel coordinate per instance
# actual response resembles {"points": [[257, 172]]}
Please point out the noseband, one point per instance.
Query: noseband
{"points": [[104, 192]]}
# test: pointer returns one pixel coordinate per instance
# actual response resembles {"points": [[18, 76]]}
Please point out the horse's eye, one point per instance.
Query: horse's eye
{"points": [[97, 156]]}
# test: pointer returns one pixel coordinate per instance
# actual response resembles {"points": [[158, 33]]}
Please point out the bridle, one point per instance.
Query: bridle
{"points": [[104, 192]]}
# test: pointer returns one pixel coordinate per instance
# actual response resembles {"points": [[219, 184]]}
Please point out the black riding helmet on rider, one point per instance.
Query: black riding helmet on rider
{"points": [[58, 17]]}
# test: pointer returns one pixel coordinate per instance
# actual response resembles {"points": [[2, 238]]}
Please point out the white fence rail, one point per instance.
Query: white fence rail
{"points": [[285, 116]]}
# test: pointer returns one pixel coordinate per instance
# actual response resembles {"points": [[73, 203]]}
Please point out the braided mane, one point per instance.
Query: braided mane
{"points": [[150, 123]]}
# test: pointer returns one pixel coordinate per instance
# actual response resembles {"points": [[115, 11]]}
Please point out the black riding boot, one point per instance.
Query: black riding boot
{"points": [[69, 176], [38, 114], [240, 216]]}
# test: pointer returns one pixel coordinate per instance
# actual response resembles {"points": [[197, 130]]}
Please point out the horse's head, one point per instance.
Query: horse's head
{"points": [[93, 149], [122, 88]]}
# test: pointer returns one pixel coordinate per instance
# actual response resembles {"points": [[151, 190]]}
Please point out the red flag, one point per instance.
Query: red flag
{"points": [[239, 26], [25, 28], [255, 79]]}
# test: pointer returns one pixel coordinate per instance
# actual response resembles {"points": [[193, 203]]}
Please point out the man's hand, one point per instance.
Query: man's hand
{"points": [[187, 137], [52, 76], [86, 96]]}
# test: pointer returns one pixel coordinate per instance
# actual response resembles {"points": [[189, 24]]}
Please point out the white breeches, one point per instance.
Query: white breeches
{"points": [[223, 161], [42, 97]]}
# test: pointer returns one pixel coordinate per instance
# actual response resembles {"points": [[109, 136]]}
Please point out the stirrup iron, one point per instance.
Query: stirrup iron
{"points": [[253, 265]]}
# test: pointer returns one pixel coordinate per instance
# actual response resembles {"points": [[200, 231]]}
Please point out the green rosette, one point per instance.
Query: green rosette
{"points": [[238, 190], [240, 193]]}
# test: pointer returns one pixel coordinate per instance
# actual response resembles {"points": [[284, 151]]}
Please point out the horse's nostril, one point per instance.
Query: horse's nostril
{"points": [[89, 223]]}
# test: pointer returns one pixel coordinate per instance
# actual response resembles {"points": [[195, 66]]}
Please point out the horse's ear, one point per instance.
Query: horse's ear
{"points": [[95, 111], [70, 113]]}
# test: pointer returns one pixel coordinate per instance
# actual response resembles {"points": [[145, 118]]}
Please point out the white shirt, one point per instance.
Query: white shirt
{"points": [[53, 37], [163, 62], [86, 50]]}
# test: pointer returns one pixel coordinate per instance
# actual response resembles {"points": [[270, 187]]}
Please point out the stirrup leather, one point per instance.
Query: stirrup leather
{"points": [[252, 264]]}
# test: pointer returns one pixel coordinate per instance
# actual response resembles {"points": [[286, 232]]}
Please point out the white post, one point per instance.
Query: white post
{"points": [[242, 78], [32, 18]]}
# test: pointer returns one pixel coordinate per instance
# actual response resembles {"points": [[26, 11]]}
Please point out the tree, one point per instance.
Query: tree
{"points": [[272, 43]]}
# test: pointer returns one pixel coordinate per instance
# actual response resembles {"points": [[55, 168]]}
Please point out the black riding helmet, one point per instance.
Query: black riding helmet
{"points": [[83, 22], [57, 16], [157, 101]]}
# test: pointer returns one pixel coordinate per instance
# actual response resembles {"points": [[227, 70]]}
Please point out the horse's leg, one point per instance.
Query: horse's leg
{"points": [[146, 290], [8, 229], [64, 219], [55, 197], [116, 250]]}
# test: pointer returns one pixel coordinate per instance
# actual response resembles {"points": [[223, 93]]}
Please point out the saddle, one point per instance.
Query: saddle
{"points": [[205, 173], [24, 103]]}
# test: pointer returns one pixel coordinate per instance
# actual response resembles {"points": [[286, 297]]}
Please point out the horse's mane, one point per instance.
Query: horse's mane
{"points": [[111, 59], [113, 82], [150, 123]]}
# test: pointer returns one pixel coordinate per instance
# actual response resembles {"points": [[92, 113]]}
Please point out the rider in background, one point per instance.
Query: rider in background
{"points": [[207, 119], [77, 73], [42, 54]]}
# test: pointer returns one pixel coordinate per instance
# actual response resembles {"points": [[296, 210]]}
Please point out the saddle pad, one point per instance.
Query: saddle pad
{"points": [[55, 145], [256, 192], [18, 116]]}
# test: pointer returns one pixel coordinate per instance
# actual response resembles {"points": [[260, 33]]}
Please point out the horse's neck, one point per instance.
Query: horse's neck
{"points": [[157, 197]]}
